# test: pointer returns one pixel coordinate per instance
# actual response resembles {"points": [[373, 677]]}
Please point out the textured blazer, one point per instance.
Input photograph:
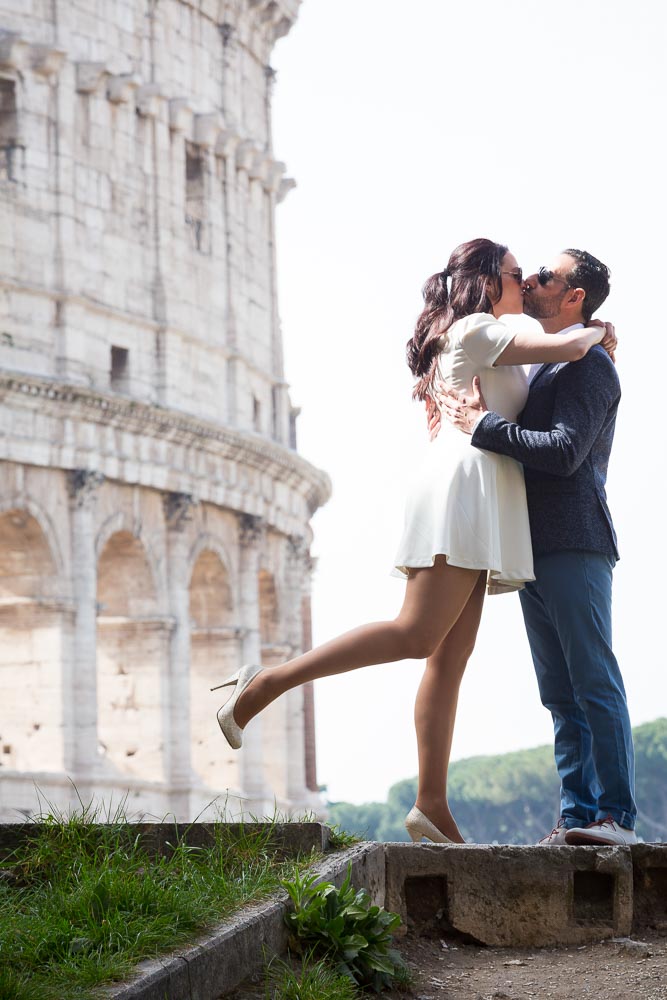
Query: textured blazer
{"points": [[563, 440]]}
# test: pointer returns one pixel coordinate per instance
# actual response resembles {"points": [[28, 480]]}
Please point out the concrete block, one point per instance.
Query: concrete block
{"points": [[512, 896], [368, 869], [158, 979], [649, 863]]}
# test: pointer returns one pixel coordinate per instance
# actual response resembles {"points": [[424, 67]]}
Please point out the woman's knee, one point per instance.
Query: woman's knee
{"points": [[416, 643], [453, 656], [463, 654]]}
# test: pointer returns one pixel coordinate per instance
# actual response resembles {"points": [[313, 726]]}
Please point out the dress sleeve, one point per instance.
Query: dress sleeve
{"points": [[485, 341]]}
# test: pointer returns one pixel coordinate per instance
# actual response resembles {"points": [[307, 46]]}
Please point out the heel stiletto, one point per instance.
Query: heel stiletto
{"points": [[419, 826], [230, 728]]}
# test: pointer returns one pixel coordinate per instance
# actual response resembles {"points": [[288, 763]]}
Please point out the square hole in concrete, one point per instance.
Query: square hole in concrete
{"points": [[594, 897], [426, 900]]}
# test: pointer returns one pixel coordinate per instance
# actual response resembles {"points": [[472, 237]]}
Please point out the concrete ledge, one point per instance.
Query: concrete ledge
{"points": [[518, 896], [287, 839], [496, 895], [219, 961]]}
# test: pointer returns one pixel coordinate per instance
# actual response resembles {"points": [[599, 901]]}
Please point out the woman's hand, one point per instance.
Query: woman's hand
{"points": [[606, 336], [432, 418]]}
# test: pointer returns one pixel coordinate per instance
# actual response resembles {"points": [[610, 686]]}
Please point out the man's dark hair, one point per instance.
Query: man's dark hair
{"points": [[593, 276]]}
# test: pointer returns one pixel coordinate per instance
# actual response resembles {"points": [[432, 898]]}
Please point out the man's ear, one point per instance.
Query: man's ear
{"points": [[576, 297]]}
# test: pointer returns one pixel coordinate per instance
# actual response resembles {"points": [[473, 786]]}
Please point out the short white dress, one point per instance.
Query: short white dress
{"points": [[467, 504]]}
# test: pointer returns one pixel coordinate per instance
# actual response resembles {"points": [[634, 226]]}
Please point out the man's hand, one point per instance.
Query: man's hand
{"points": [[609, 341], [461, 410]]}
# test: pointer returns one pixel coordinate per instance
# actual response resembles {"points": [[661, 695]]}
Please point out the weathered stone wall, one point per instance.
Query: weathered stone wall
{"points": [[154, 515], [140, 165]]}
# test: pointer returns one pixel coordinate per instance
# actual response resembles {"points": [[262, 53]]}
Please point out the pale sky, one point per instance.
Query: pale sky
{"points": [[411, 128]]}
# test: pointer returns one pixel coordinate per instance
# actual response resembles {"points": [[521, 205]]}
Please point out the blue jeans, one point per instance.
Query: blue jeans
{"points": [[567, 612]]}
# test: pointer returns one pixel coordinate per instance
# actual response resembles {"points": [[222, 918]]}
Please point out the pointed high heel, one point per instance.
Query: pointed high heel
{"points": [[419, 826], [230, 728]]}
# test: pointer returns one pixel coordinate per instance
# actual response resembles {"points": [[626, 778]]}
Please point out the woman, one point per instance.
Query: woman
{"points": [[466, 520]]}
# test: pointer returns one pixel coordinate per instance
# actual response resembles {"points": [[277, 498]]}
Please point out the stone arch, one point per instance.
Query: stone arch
{"points": [[215, 653], [32, 634], [132, 651], [211, 596], [119, 523], [125, 581], [36, 511]]}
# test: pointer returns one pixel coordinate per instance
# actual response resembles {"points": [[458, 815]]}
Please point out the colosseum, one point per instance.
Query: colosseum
{"points": [[154, 512]]}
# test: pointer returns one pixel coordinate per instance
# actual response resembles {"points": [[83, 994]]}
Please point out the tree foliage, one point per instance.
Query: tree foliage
{"points": [[513, 798]]}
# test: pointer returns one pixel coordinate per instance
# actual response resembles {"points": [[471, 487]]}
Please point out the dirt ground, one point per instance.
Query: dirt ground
{"points": [[619, 969]]}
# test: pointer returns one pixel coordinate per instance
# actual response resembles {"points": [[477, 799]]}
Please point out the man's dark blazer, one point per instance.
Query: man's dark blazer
{"points": [[563, 440]]}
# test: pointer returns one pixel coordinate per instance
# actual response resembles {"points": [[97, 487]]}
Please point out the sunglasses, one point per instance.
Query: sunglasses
{"points": [[544, 276], [517, 274]]}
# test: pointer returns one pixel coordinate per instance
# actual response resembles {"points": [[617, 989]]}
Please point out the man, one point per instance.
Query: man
{"points": [[563, 440]]}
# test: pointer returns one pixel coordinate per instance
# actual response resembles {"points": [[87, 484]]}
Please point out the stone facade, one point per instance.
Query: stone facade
{"points": [[154, 513]]}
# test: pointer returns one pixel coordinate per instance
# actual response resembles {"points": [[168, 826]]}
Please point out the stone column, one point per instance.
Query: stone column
{"points": [[226, 147], [251, 770], [178, 508], [308, 689], [80, 675], [296, 557], [233, 223]]}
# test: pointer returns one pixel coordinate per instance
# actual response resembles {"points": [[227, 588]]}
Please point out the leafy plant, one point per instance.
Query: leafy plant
{"points": [[346, 928]]}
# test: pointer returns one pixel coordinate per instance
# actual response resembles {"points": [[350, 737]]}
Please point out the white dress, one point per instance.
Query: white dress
{"points": [[469, 504]]}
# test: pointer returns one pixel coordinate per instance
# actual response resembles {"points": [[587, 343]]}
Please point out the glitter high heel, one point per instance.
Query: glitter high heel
{"points": [[419, 826], [230, 728]]}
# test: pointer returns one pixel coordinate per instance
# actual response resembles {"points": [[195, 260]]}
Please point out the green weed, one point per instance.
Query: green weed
{"points": [[344, 927]]}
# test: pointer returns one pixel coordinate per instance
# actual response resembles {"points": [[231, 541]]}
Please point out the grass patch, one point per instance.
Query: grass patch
{"points": [[315, 980], [81, 903], [339, 839]]}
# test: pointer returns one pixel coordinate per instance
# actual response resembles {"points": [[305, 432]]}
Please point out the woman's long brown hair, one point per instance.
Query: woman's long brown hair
{"points": [[474, 270]]}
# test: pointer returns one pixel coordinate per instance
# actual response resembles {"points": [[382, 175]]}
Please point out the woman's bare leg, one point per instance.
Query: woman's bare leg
{"points": [[434, 599], [435, 712]]}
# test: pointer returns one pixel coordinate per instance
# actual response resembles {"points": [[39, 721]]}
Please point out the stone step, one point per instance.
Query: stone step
{"points": [[494, 895], [528, 896]]}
